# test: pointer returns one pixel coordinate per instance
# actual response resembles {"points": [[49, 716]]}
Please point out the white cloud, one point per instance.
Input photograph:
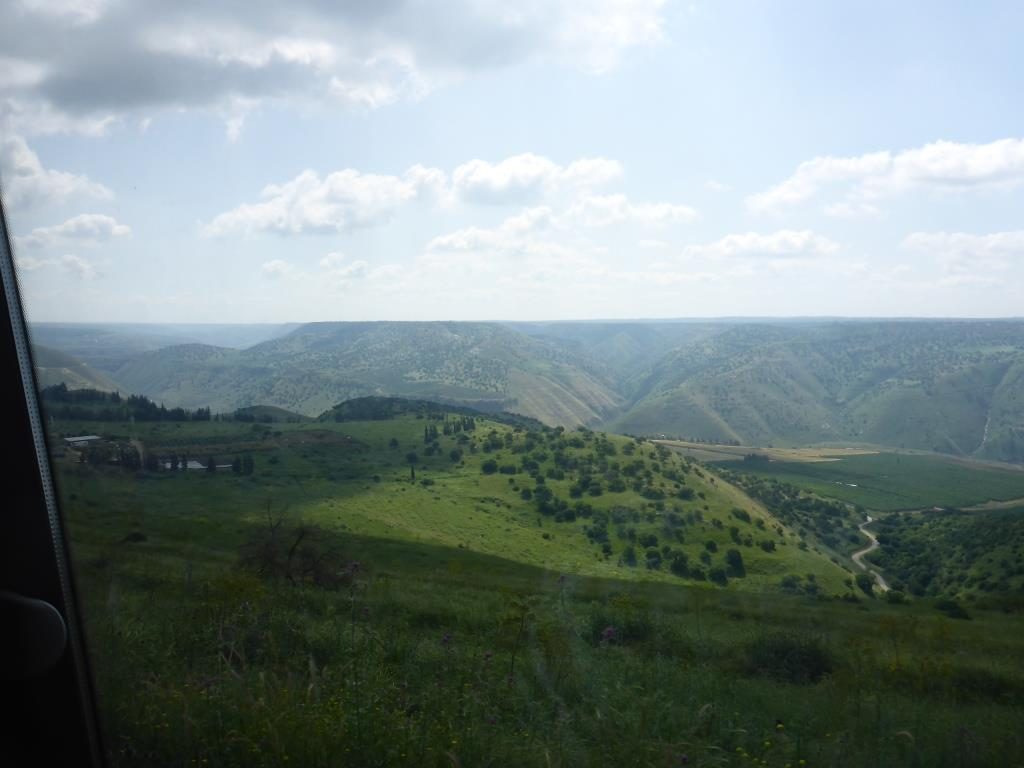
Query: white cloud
{"points": [[79, 267], [31, 264], [150, 55], [349, 199], [278, 269], [340, 271], [26, 182], [850, 210], [86, 228], [527, 177], [784, 243], [340, 202], [811, 175], [941, 165], [597, 211]]}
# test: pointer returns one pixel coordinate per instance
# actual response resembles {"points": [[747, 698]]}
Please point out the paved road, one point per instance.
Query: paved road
{"points": [[858, 557]]}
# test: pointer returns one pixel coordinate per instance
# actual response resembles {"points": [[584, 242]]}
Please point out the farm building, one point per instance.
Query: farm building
{"points": [[82, 441]]}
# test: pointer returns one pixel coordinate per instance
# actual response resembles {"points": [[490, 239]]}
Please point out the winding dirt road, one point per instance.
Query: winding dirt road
{"points": [[858, 557]]}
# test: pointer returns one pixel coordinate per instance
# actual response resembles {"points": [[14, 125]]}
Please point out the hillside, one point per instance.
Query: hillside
{"points": [[955, 387], [483, 365], [55, 367], [949, 386], [404, 584], [582, 502]]}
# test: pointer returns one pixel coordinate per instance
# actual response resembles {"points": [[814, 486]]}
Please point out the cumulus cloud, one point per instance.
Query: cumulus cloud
{"points": [[340, 271], [86, 229], [278, 269], [77, 266], [26, 182], [107, 59], [784, 243], [941, 165], [602, 210], [349, 199], [511, 233], [527, 177], [339, 202]]}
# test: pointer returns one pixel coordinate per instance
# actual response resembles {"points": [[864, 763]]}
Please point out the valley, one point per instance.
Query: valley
{"points": [[419, 581], [944, 386]]}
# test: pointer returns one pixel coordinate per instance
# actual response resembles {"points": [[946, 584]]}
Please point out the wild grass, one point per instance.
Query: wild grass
{"points": [[409, 649]]}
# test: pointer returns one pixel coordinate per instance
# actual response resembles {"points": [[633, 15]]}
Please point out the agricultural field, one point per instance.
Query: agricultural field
{"points": [[896, 481], [714, 452], [378, 588]]}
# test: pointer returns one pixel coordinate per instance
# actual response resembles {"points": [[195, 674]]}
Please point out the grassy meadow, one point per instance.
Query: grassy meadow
{"points": [[332, 609], [896, 481]]}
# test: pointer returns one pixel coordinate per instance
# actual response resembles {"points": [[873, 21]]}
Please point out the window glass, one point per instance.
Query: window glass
{"points": [[544, 384]]}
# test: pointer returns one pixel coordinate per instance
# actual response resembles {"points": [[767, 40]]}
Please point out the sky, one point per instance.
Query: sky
{"points": [[257, 161]]}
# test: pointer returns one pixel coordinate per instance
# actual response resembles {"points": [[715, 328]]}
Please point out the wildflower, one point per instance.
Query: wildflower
{"points": [[608, 634]]}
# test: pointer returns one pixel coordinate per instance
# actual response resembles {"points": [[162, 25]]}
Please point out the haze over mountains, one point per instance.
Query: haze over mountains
{"points": [[954, 386]]}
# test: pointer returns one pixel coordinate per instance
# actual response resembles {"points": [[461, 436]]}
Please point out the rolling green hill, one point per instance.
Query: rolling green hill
{"points": [[437, 586], [954, 387], [55, 367], [581, 502], [484, 365], [949, 386]]}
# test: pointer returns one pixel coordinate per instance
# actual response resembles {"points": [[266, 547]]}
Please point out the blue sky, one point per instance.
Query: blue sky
{"points": [[232, 162]]}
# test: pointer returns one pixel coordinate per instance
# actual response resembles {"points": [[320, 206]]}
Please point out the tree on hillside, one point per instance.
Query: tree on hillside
{"points": [[393, 443], [247, 465], [236, 465], [211, 465], [734, 559], [866, 583], [412, 458]]}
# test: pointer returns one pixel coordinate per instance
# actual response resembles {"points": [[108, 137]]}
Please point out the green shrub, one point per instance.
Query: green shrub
{"points": [[788, 657]]}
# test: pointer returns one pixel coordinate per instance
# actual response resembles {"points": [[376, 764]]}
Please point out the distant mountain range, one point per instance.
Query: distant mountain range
{"points": [[945, 385]]}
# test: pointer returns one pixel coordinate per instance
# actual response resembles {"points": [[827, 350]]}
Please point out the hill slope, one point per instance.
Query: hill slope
{"points": [[579, 502], [956, 387], [950, 386], [484, 365], [55, 367]]}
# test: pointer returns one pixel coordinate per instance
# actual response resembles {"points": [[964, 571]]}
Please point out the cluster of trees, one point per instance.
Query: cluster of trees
{"points": [[96, 405], [953, 553], [833, 522]]}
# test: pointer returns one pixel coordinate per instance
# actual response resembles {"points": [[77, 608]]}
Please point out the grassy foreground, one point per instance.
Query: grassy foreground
{"points": [[397, 641]]}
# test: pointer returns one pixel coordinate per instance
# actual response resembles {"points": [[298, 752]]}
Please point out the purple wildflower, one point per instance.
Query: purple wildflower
{"points": [[608, 634]]}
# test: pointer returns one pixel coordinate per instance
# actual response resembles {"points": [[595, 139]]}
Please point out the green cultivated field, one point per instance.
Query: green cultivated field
{"points": [[896, 481], [329, 610]]}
